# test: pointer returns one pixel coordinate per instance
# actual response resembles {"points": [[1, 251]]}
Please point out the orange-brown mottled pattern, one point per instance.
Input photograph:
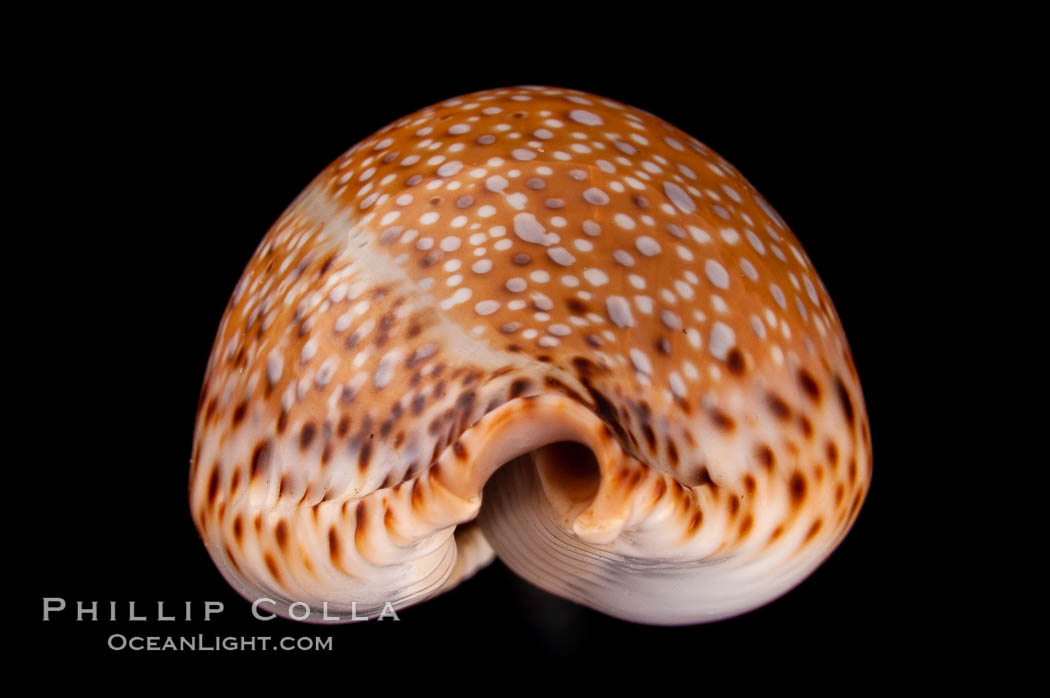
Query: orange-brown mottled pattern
{"points": [[509, 243]]}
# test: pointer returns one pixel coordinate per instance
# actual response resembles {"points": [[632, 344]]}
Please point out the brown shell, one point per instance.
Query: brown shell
{"points": [[490, 277]]}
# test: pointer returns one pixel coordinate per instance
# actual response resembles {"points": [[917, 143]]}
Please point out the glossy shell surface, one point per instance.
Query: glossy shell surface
{"points": [[541, 324]]}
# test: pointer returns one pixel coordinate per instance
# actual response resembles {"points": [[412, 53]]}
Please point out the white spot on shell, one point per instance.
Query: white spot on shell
{"points": [[338, 293], [619, 311], [561, 256], [647, 246], [531, 230], [486, 307], [274, 367], [641, 360], [749, 269], [450, 168], [722, 340], [677, 385], [778, 355], [670, 320], [309, 349], [758, 327], [542, 302], [596, 277], [699, 234], [755, 242], [582, 116], [385, 370], [801, 308], [778, 295], [461, 295], [518, 200], [679, 197], [810, 290], [716, 274], [596, 196], [731, 193]]}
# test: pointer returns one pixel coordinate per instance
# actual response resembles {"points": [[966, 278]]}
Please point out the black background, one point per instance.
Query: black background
{"points": [[164, 168]]}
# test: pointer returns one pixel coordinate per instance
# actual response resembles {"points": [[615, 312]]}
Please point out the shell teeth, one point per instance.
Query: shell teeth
{"points": [[596, 529]]}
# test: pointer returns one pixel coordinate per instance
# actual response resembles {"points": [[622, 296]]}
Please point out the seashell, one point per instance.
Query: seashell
{"points": [[538, 324]]}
